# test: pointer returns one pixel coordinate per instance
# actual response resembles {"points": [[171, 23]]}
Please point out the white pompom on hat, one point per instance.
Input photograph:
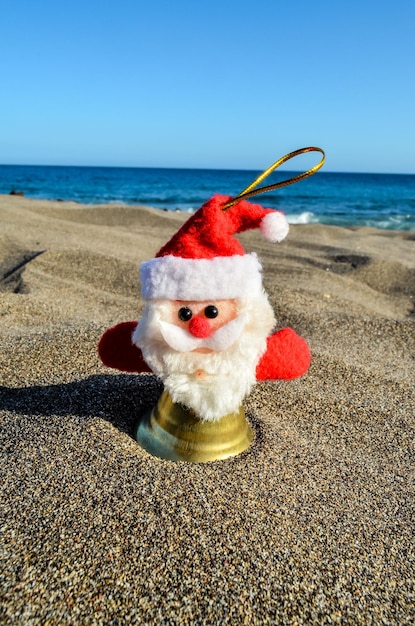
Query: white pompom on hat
{"points": [[204, 260]]}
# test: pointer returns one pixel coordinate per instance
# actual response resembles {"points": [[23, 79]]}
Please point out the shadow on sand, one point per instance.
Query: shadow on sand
{"points": [[119, 399]]}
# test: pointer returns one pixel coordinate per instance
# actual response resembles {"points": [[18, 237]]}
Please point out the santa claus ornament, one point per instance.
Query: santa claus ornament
{"points": [[206, 329]]}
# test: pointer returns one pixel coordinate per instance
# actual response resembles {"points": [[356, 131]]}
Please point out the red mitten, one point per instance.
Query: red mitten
{"points": [[287, 356], [117, 350]]}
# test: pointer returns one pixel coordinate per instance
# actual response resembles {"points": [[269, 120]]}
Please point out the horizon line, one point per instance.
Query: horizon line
{"points": [[224, 169]]}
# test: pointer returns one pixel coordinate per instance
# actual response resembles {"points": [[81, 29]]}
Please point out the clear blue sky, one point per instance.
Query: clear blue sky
{"points": [[227, 84]]}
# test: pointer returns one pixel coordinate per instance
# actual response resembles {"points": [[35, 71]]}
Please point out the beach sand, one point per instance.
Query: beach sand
{"points": [[314, 524]]}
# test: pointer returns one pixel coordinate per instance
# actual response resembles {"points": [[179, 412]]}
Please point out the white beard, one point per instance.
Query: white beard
{"points": [[212, 384]]}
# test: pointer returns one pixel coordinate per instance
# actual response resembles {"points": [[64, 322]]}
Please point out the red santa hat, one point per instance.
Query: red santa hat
{"points": [[204, 260]]}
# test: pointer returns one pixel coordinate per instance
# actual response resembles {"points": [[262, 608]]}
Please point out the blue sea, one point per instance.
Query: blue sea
{"points": [[379, 200]]}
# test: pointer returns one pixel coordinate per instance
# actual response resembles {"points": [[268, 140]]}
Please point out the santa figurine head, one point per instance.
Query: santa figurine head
{"points": [[205, 330], [207, 317]]}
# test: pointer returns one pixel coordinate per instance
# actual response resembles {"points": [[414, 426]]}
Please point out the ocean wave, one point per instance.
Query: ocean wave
{"points": [[307, 217], [391, 222]]}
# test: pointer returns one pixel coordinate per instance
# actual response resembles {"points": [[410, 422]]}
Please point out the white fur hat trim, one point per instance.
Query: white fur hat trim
{"points": [[224, 277]]}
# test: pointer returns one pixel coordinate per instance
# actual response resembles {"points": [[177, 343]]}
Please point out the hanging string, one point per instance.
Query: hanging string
{"points": [[250, 191]]}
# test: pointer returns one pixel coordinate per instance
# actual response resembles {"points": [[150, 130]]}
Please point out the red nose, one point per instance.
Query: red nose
{"points": [[199, 327]]}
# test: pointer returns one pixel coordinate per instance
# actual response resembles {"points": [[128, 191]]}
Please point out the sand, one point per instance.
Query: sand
{"points": [[314, 524]]}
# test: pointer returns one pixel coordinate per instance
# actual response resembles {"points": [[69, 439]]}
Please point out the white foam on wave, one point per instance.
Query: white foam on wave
{"points": [[307, 217], [394, 222]]}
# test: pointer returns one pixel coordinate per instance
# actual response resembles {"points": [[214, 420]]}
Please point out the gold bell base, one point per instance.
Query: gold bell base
{"points": [[172, 431]]}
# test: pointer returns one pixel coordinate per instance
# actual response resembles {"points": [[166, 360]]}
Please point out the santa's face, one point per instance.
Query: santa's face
{"points": [[188, 314], [206, 352], [201, 326]]}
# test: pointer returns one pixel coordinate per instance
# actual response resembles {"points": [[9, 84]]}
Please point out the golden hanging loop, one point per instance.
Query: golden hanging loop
{"points": [[250, 191]]}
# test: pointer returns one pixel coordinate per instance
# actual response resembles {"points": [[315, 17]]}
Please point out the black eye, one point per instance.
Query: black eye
{"points": [[185, 314], [211, 311]]}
